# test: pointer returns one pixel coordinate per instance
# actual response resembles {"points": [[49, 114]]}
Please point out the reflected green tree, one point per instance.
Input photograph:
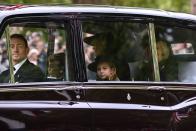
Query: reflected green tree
{"points": [[172, 5], [36, 2]]}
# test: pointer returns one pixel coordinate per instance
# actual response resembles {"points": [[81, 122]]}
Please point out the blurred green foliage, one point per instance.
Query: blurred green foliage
{"points": [[35, 1], [172, 5]]}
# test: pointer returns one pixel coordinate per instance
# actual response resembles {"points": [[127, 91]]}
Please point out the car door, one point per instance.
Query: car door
{"points": [[144, 98], [178, 71], [57, 102], [124, 105], [127, 106], [56, 106]]}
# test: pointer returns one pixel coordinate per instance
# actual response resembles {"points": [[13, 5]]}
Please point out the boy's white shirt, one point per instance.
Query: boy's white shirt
{"points": [[17, 66]]}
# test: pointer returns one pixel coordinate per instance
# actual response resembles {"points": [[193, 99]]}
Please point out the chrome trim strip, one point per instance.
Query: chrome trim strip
{"points": [[7, 33], [140, 87], [154, 51], [103, 87], [15, 89], [93, 105], [43, 105], [182, 105], [127, 106]]}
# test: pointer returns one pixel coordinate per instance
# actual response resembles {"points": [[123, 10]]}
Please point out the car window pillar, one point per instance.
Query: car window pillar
{"points": [[76, 45], [11, 69], [154, 52]]}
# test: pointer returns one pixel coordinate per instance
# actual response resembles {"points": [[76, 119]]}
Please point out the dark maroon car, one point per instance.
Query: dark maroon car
{"points": [[154, 52]]}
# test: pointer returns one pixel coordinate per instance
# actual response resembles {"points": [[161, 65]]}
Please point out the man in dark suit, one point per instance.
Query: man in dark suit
{"points": [[24, 71]]}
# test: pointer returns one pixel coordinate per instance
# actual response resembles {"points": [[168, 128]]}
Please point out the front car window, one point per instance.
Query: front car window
{"points": [[47, 40]]}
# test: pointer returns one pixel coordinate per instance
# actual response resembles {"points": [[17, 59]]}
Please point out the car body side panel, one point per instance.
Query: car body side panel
{"points": [[44, 109], [64, 117], [136, 106], [122, 108]]}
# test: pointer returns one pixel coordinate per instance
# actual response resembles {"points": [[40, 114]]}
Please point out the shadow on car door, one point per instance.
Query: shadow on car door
{"points": [[129, 106], [43, 107]]}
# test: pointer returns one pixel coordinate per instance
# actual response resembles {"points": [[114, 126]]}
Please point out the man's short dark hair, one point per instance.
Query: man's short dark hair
{"points": [[19, 36]]}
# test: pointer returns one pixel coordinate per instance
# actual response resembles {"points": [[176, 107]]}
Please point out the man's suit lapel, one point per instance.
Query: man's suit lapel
{"points": [[7, 77], [19, 74]]}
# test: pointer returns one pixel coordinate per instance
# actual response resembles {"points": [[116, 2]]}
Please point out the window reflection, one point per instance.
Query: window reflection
{"points": [[182, 48]]}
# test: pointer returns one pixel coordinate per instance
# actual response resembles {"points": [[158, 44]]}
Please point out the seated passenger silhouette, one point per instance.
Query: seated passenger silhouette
{"points": [[167, 66], [56, 66]]}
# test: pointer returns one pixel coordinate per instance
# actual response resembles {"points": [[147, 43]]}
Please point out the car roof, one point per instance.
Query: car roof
{"points": [[7, 10]]}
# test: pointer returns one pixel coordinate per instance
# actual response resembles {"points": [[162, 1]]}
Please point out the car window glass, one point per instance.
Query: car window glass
{"points": [[117, 51], [47, 51], [176, 53], [4, 64]]}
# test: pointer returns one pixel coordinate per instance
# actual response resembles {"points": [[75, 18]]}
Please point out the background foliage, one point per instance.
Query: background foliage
{"points": [[173, 5]]}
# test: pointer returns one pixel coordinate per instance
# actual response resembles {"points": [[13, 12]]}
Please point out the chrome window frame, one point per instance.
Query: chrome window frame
{"points": [[154, 52], [11, 69]]}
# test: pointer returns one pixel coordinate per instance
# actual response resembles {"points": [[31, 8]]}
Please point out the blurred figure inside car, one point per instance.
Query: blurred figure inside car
{"points": [[56, 66], [33, 56], [167, 67]]}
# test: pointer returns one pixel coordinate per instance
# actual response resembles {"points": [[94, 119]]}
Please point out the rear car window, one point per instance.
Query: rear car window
{"points": [[123, 44], [177, 53], [128, 47]]}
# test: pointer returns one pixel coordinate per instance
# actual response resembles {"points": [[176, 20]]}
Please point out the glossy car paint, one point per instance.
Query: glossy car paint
{"points": [[44, 108], [139, 106], [97, 106]]}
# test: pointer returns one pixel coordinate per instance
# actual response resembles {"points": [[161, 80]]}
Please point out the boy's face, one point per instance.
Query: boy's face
{"points": [[104, 71]]}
